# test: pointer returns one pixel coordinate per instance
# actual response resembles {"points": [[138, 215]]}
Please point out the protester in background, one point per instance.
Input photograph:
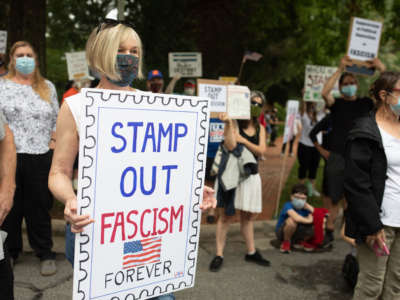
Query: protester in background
{"points": [[7, 188], [29, 103], [246, 197], [324, 126], [116, 75], [344, 111], [215, 138], [296, 130], [155, 81], [3, 69], [372, 189], [307, 154], [273, 121], [73, 87], [189, 87]]}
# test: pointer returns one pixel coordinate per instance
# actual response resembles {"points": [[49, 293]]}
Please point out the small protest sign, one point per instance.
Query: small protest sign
{"points": [[363, 44], [3, 41], [216, 132], [141, 177], [77, 65], [216, 91], [314, 81], [228, 79], [185, 64], [238, 102], [292, 109]]}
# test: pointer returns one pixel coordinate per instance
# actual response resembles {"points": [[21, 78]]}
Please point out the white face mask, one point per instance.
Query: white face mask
{"points": [[189, 91], [396, 107], [298, 203]]}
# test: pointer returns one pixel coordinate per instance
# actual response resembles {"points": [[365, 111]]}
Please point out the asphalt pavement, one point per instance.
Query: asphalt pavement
{"points": [[298, 275]]}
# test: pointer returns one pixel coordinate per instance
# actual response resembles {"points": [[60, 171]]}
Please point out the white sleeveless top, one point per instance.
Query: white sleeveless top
{"points": [[75, 104]]}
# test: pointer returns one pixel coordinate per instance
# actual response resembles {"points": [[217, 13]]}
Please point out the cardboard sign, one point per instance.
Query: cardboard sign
{"points": [[238, 102], [292, 109], [3, 42], [185, 64], [216, 91], [141, 177], [314, 81], [216, 132], [363, 44], [77, 65], [228, 79]]}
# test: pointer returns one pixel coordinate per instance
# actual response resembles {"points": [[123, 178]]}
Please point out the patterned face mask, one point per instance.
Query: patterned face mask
{"points": [[127, 66]]}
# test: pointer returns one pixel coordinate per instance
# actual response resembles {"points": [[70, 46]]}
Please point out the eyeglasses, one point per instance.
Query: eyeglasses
{"points": [[254, 103], [108, 23]]}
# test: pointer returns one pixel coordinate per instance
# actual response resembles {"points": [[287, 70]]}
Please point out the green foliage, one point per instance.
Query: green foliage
{"points": [[289, 34]]}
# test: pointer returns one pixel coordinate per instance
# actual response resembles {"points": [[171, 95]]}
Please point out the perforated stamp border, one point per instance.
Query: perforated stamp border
{"points": [[89, 147]]}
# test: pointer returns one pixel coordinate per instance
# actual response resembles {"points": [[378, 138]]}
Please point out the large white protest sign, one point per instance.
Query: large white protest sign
{"points": [[314, 81], [216, 91], [77, 65], [3, 41], [238, 102], [364, 39], [185, 64], [292, 109], [141, 170]]}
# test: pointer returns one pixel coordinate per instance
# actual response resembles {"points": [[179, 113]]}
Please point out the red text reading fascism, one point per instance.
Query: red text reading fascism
{"points": [[126, 225]]}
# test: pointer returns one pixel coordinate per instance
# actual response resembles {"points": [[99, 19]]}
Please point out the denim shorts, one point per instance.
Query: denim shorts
{"points": [[70, 252]]}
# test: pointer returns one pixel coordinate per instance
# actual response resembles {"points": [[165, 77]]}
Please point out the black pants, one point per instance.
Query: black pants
{"points": [[308, 161], [291, 142], [32, 201], [6, 277]]}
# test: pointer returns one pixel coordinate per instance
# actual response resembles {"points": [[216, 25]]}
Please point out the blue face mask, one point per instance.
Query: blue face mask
{"points": [[349, 90], [127, 66], [25, 65], [298, 203], [396, 107]]}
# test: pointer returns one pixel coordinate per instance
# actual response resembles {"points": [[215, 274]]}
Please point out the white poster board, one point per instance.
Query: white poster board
{"points": [[77, 65], [314, 81], [364, 39], [141, 177], [292, 109], [3, 42], [216, 91], [238, 102], [185, 64]]}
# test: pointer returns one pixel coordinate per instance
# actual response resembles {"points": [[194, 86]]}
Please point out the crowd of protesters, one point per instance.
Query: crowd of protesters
{"points": [[358, 139]]}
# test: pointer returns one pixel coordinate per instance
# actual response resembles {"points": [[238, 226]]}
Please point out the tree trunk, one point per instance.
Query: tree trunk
{"points": [[27, 22]]}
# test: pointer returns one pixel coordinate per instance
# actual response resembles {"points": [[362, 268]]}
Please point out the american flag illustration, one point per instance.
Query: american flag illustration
{"points": [[141, 252]]}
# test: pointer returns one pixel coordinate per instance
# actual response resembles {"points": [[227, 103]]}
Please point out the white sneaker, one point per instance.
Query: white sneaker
{"points": [[48, 267]]}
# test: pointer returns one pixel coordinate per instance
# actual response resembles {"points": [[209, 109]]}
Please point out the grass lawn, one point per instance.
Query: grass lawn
{"points": [[292, 180]]}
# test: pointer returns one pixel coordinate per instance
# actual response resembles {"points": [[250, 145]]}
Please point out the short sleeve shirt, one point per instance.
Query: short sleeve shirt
{"points": [[343, 115], [284, 215]]}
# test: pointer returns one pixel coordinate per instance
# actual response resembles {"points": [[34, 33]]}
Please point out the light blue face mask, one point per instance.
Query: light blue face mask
{"points": [[349, 90], [396, 107], [25, 65], [298, 203]]}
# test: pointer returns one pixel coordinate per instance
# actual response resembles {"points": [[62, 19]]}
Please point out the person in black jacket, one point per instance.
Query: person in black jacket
{"points": [[372, 190]]}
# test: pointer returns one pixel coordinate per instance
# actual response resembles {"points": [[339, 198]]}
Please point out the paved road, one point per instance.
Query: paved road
{"points": [[295, 276]]}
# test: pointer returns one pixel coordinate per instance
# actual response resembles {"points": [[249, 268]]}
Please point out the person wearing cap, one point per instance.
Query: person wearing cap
{"points": [[155, 81], [189, 87]]}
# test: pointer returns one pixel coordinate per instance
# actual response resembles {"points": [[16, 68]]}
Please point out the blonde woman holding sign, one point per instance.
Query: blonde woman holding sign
{"points": [[113, 50]]}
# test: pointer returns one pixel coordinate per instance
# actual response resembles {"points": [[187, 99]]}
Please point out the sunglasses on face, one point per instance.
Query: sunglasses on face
{"points": [[254, 103], [108, 23]]}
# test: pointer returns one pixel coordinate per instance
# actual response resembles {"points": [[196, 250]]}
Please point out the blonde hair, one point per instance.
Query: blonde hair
{"points": [[39, 84], [102, 48]]}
